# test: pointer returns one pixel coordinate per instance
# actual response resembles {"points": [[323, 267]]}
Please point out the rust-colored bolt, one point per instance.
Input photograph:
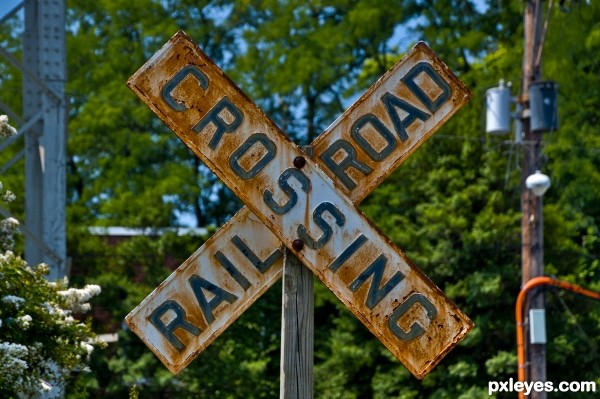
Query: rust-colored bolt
{"points": [[299, 162], [297, 245]]}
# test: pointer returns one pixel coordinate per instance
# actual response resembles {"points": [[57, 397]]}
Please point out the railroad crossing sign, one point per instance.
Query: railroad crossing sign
{"points": [[305, 203]]}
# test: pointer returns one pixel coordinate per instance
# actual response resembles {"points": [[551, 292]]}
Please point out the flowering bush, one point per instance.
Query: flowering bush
{"points": [[8, 226], [41, 342]]}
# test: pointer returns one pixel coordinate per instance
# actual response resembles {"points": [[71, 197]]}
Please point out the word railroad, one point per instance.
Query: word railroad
{"points": [[303, 202]]}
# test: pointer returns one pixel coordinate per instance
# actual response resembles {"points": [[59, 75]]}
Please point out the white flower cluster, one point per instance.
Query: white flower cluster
{"points": [[77, 297], [12, 299], [6, 130], [13, 360], [88, 348], [27, 370], [9, 196], [8, 226], [16, 361], [24, 321]]}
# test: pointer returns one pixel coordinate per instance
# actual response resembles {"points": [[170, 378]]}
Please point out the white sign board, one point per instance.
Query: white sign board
{"points": [[300, 205]]}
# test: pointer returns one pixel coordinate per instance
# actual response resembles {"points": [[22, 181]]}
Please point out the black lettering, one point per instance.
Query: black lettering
{"points": [[347, 253], [221, 126], [370, 119], [232, 270], [168, 331], [262, 162], [391, 102], [262, 266], [432, 104], [376, 291], [176, 80], [350, 161], [323, 207], [198, 285], [416, 330], [288, 190]]}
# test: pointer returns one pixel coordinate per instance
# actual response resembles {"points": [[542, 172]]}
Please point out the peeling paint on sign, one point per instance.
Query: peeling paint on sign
{"points": [[393, 298]]}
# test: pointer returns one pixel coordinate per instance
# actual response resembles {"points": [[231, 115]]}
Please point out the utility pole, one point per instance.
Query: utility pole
{"points": [[532, 261]]}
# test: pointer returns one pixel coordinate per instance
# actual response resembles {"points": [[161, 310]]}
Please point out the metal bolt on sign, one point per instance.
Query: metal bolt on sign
{"points": [[305, 203]]}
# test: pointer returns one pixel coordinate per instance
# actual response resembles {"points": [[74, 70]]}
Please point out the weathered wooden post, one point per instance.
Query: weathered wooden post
{"points": [[297, 330]]}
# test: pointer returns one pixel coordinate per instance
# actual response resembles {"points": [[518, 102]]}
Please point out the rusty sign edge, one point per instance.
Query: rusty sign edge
{"points": [[193, 261], [420, 46], [225, 177], [165, 116], [463, 95], [291, 149]]}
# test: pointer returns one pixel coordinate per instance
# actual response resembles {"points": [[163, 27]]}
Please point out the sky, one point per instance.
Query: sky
{"points": [[7, 5]]}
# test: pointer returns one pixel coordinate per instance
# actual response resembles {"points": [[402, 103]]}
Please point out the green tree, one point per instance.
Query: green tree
{"points": [[464, 31], [127, 169], [302, 57], [122, 159], [454, 207], [572, 222], [10, 94]]}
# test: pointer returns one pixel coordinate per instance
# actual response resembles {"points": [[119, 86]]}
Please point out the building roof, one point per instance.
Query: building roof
{"points": [[120, 231]]}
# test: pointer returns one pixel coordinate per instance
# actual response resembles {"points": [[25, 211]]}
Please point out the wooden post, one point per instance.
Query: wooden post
{"points": [[532, 261], [297, 330]]}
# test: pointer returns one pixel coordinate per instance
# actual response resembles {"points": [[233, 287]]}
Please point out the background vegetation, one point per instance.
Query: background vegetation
{"points": [[41, 344], [454, 207]]}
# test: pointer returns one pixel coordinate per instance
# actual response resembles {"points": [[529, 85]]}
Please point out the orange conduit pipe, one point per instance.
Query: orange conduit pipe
{"points": [[533, 283]]}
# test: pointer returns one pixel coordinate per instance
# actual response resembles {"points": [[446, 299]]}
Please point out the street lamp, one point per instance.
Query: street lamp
{"points": [[538, 183]]}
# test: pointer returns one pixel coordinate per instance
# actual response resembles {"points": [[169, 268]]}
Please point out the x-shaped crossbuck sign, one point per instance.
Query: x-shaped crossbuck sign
{"points": [[306, 203]]}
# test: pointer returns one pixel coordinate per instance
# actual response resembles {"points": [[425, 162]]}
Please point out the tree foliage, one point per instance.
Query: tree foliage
{"points": [[121, 158], [313, 52]]}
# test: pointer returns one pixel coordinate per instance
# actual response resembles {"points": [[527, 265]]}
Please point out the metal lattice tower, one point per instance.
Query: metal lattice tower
{"points": [[43, 123]]}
